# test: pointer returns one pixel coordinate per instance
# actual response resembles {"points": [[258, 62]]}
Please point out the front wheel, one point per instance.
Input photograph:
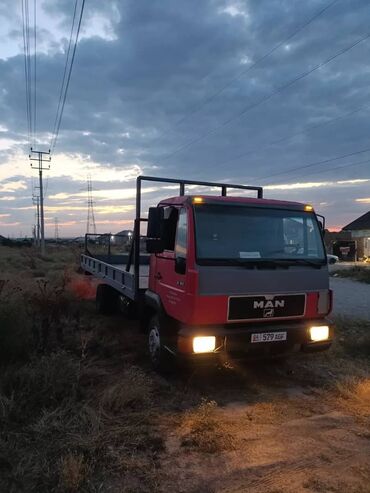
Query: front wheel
{"points": [[161, 359]]}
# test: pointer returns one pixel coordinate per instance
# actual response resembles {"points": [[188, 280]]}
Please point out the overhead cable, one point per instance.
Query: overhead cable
{"points": [[27, 68], [305, 130], [64, 97], [34, 72], [315, 163], [268, 96], [256, 62], [61, 92]]}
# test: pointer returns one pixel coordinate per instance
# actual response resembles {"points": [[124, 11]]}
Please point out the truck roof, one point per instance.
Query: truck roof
{"points": [[184, 199]]}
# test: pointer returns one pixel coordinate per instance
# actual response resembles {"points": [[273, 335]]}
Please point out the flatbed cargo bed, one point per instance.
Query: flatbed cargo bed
{"points": [[112, 270]]}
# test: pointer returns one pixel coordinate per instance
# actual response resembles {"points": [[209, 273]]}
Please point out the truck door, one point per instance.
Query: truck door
{"points": [[170, 268]]}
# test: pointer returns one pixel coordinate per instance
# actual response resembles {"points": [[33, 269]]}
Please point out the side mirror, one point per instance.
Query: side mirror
{"points": [[154, 245], [154, 242], [321, 221], [180, 265], [155, 222]]}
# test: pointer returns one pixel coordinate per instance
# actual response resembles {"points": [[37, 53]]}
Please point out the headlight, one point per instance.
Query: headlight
{"points": [[319, 333], [204, 344]]}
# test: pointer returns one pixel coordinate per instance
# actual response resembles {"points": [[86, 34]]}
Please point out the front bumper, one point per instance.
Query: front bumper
{"points": [[235, 340]]}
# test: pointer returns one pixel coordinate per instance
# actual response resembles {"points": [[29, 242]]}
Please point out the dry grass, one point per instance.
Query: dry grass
{"points": [[46, 411], [353, 338], [359, 273], [205, 430], [27, 263], [133, 390], [354, 396], [65, 425], [73, 471]]}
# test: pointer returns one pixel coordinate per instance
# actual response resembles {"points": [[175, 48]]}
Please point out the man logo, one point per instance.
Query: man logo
{"points": [[268, 312], [269, 304]]}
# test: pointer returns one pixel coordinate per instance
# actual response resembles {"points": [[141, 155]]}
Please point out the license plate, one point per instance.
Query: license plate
{"points": [[268, 337]]}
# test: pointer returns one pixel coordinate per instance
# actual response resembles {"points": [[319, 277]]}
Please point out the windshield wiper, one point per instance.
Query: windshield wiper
{"points": [[247, 263], [263, 263], [304, 261], [225, 261]]}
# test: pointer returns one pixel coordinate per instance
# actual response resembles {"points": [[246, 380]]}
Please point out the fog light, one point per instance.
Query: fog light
{"points": [[204, 344], [320, 333]]}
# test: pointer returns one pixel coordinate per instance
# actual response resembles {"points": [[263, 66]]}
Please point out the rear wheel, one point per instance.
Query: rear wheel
{"points": [[106, 299], [161, 359]]}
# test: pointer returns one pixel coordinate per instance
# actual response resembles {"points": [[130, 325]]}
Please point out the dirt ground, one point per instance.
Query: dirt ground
{"points": [[288, 435], [300, 425]]}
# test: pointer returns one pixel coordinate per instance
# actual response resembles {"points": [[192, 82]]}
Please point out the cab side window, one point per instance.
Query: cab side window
{"points": [[182, 235], [169, 230]]}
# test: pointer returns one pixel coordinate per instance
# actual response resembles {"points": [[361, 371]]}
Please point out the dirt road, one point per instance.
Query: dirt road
{"points": [[274, 429], [351, 298]]}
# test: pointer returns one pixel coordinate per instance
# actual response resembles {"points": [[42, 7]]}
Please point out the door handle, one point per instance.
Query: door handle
{"points": [[158, 276]]}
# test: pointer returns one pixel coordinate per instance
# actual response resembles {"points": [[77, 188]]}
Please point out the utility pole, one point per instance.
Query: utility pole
{"points": [[56, 222], [36, 201], [40, 160]]}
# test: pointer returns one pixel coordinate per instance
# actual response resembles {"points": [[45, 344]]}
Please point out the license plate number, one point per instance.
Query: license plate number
{"points": [[268, 337]]}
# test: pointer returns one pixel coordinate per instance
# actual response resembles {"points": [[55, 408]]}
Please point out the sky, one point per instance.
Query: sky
{"points": [[242, 91]]}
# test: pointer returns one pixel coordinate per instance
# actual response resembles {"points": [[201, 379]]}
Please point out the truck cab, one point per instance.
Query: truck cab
{"points": [[236, 276]]}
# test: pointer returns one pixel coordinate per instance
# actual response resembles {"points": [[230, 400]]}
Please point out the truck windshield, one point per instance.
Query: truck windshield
{"points": [[243, 234]]}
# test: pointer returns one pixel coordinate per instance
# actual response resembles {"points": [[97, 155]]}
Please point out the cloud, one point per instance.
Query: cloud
{"points": [[317, 184], [143, 86], [13, 186]]}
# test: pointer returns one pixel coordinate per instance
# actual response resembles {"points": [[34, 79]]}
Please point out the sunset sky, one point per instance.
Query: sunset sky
{"points": [[169, 88]]}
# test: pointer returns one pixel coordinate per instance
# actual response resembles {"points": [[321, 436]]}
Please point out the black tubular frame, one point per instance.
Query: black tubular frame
{"points": [[135, 246]]}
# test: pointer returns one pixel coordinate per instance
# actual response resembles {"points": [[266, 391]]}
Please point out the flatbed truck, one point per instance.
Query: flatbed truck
{"points": [[221, 275]]}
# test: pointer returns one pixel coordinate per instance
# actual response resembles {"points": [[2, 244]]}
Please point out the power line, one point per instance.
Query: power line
{"points": [[69, 76], [29, 62], [34, 72], [268, 96], [347, 165], [65, 70], [309, 128], [257, 62], [26, 67], [316, 163]]}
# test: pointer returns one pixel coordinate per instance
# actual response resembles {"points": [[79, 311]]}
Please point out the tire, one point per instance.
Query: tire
{"points": [[162, 360], [106, 299]]}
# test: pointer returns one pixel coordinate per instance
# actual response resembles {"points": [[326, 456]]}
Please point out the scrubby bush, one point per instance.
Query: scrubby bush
{"points": [[15, 334], [43, 383], [205, 431], [133, 390], [360, 273]]}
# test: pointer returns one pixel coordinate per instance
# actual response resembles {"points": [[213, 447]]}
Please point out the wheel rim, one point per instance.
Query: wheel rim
{"points": [[154, 344]]}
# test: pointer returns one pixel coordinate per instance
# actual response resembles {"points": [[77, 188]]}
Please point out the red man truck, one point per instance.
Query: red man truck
{"points": [[222, 276]]}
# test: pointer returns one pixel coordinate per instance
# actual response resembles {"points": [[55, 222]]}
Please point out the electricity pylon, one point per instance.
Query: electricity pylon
{"points": [[90, 209]]}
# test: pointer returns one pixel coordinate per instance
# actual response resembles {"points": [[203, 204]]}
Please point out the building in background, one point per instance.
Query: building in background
{"points": [[360, 233], [340, 243], [123, 238]]}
